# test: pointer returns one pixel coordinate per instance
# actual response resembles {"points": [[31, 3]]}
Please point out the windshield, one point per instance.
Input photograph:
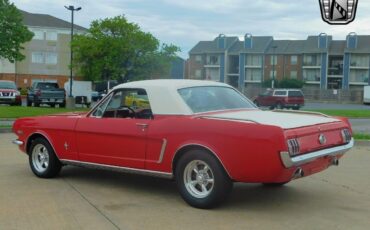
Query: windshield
{"points": [[7, 85], [212, 98]]}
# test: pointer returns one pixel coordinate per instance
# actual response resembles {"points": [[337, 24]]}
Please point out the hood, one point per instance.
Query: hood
{"points": [[8, 90], [285, 120]]}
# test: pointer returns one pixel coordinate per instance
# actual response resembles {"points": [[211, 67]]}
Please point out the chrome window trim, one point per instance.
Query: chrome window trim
{"points": [[117, 168], [308, 157]]}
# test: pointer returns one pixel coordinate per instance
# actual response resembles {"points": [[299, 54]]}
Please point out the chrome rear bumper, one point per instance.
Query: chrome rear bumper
{"points": [[17, 142], [308, 157]]}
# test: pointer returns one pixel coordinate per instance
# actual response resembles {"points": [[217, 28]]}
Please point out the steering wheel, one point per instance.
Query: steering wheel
{"points": [[129, 108]]}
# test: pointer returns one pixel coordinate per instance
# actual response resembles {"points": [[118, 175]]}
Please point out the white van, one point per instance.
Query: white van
{"points": [[80, 89], [367, 94]]}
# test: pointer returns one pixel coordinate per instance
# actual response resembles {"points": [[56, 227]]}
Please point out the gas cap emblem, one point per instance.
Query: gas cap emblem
{"points": [[322, 139]]}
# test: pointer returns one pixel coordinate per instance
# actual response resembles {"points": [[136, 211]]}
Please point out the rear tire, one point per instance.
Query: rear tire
{"points": [[279, 106], [202, 180], [29, 103], [63, 105], [42, 159], [256, 103], [36, 104]]}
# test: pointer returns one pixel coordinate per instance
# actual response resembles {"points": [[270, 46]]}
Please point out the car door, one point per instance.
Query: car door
{"points": [[112, 133]]}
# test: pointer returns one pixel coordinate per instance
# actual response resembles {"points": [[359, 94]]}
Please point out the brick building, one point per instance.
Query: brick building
{"points": [[319, 61], [47, 54]]}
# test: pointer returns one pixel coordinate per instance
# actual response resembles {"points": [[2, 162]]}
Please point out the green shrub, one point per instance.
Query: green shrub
{"points": [[23, 91]]}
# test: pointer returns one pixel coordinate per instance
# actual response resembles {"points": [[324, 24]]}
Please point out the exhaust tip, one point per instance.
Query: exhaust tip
{"points": [[335, 161], [298, 173]]}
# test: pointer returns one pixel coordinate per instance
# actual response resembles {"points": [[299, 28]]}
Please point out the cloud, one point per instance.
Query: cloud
{"points": [[184, 23]]}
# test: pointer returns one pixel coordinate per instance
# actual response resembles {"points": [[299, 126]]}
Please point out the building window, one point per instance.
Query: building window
{"points": [[311, 74], [359, 76], [254, 60], [273, 74], [37, 57], [293, 74], [213, 74], [213, 60], [273, 59], [198, 58], [253, 75], [293, 60], [198, 73], [51, 58], [38, 35], [358, 60], [51, 35], [311, 60]]}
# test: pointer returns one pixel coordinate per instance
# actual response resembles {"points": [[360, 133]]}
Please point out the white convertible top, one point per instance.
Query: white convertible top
{"points": [[163, 94]]}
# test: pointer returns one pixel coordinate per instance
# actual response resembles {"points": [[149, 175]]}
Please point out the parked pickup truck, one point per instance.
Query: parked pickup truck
{"points": [[47, 93]]}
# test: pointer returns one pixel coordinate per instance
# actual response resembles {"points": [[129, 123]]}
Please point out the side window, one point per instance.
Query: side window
{"points": [[126, 103], [280, 93]]}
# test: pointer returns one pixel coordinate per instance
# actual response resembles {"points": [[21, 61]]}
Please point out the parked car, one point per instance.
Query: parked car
{"points": [[204, 135], [47, 93], [367, 94], [134, 100], [9, 94], [281, 98]]}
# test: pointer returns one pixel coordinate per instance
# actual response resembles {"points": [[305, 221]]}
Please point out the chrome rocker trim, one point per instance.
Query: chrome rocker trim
{"points": [[118, 169], [308, 157], [18, 142]]}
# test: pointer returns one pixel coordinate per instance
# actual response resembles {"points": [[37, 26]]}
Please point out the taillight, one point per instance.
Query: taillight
{"points": [[346, 136], [293, 147], [38, 92]]}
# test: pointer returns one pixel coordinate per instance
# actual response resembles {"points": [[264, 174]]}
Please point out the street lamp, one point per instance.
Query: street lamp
{"points": [[273, 66], [70, 101]]}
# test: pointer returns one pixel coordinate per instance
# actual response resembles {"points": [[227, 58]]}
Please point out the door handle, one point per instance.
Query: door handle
{"points": [[142, 125]]}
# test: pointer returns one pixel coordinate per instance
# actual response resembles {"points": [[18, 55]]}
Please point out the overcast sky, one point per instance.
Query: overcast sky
{"points": [[185, 22]]}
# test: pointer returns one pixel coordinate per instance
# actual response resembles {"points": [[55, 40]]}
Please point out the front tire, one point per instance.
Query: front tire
{"points": [[202, 180], [42, 159]]}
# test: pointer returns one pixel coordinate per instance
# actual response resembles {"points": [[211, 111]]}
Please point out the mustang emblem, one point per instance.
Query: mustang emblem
{"points": [[322, 139], [338, 12]]}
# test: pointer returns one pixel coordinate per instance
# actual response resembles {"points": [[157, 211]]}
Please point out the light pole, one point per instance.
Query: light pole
{"points": [[273, 66], [70, 100]]}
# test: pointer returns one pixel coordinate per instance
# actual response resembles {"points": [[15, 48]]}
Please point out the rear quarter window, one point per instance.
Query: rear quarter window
{"points": [[295, 94]]}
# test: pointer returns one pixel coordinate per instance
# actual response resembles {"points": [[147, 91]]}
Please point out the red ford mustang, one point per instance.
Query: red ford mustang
{"points": [[204, 135]]}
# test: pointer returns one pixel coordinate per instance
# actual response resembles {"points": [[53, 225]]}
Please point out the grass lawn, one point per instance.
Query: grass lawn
{"points": [[18, 111], [345, 113], [361, 136]]}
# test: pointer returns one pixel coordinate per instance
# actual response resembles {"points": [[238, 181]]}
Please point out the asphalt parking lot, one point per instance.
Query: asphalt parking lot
{"points": [[338, 198]]}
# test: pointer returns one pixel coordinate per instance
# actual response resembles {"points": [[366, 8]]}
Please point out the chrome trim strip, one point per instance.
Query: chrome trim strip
{"points": [[46, 137], [209, 149], [300, 112], [228, 119], [117, 168], [308, 157], [17, 142], [163, 149]]}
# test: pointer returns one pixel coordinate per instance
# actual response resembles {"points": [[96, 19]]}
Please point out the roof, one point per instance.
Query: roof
{"points": [[312, 45], [163, 94], [280, 47], [337, 47], [259, 45], [45, 20], [211, 46], [363, 45]]}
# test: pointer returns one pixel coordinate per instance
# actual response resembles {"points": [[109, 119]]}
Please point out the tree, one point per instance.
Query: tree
{"points": [[12, 32], [116, 49]]}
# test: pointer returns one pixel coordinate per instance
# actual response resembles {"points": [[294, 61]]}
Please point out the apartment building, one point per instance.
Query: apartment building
{"points": [[319, 61], [47, 54]]}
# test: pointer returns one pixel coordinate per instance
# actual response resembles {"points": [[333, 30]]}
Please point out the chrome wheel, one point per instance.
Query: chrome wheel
{"points": [[198, 178], [40, 158]]}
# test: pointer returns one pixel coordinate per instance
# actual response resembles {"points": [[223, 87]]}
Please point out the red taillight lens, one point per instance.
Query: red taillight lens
{"points": [[38, 92]]}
